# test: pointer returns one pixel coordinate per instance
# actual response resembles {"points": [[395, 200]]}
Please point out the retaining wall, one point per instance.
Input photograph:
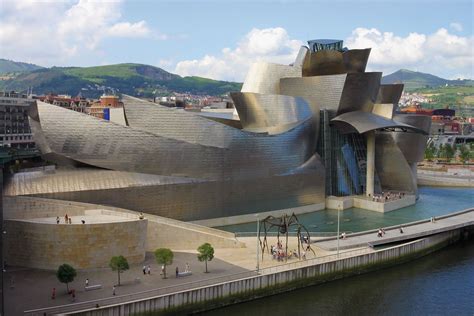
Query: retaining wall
{"points": [[265, 284]]}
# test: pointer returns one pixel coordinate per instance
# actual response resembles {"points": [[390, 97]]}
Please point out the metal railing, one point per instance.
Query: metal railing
{"points": [[120, 299], [137, 296], [290, 234]]}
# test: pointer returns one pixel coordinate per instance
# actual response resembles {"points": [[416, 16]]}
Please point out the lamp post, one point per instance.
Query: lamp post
{"points": [[258, 238], [338, 232]]}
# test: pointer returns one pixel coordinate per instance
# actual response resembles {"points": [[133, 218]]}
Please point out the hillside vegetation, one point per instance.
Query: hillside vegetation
{"points": [[10, 66], [416, 80], [134, 79]]}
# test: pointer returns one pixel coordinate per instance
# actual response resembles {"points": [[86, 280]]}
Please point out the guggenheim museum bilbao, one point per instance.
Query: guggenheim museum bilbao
{"points": [[321, 126]]}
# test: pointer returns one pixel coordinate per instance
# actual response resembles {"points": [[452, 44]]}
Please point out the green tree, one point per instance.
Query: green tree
{"points": [[450, 151], [465, 154], [206, 253], [119, 264], [66, 274], [164, 256], [430, 152]]}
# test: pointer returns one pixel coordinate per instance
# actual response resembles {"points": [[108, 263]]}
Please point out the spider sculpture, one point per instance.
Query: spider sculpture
{"points": [[283, 225]]}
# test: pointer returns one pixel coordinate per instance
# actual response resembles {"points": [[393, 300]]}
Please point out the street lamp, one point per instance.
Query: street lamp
{"points": [[338, 232], [258, 238]]}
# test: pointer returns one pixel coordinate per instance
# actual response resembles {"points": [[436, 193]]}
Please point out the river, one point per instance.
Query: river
{"points": [[441, 283]]}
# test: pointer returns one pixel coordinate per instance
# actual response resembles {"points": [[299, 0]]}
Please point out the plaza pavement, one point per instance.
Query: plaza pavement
{"points": [[27, 289], [31, 288]]}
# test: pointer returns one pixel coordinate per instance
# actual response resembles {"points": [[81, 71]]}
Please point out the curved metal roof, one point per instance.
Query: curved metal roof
{"points": [[362, 122]]}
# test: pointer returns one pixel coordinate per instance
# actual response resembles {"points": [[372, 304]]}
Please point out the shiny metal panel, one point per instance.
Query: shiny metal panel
{"points": [[303, 54], [385, 110], [390, 93], [322, 92], [324, 62], [181, 199], [362, 122], [260, 111], [265, 77], [355, 60], [360, 92], [413, 146], [107, 145], [393, 170]]}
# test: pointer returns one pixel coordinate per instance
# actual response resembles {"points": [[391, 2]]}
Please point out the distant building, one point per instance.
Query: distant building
{"points": [[14, 126], [97, 108]]}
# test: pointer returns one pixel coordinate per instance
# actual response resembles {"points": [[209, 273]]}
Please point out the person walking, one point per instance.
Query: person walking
{"points": [[113, 290], [144, 270], [148, 270], [87, 282], [53, 293], [177, 272], [401, 230], [57, 219]]}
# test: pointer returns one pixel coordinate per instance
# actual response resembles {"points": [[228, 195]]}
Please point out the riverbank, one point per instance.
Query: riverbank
{"points": [[271, 281]]}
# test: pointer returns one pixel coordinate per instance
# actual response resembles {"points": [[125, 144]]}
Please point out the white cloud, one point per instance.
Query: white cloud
{"points": [[440, 53], [456, 26], [127, 29], [271, 44], [52, 32]]}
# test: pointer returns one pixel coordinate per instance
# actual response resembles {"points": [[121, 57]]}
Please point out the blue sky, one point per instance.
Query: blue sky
{"points": [[220, 39]]}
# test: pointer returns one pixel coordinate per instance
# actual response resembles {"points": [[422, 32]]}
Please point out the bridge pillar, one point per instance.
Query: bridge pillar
{"points": [[370, 163]]}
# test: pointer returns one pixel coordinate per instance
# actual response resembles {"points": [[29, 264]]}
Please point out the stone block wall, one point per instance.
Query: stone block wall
{"points": [[47, 246]]}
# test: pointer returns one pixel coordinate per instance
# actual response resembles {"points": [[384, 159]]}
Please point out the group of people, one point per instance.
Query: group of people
{"points": [[387, 196], [67, 220], [146, 270], [279, 254]]}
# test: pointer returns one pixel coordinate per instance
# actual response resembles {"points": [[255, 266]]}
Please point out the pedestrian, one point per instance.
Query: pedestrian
{"points": [[113, 290], [401, 230], [53, 293], [66, 218], [148, 270], [144, 270], [70, 220], [162, 270], [57, 219], [187, 267], [87, 282], [177, 272], [73, 295]]}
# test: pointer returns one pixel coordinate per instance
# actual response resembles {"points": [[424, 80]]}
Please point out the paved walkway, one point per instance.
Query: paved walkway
{"points": [[410, 231], [27, 289]]}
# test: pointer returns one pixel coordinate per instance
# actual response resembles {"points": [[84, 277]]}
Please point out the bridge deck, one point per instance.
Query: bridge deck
{"points": [[410, 231]]}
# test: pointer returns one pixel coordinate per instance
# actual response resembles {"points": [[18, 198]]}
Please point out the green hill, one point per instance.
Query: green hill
{"points": [[10, 66], [133, 79], [415, 80]]}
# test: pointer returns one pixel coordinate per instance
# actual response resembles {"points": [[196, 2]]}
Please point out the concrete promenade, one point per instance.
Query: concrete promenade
{"points": [[411, 230], [233, 279]]}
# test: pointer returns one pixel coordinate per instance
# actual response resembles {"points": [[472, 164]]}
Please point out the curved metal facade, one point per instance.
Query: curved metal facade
{"points": [[186, 166], [265, 77], [269, 112], [413, 146]]}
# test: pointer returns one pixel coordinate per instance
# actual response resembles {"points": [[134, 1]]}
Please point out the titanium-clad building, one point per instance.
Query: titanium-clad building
{"points": [[320, 126]]}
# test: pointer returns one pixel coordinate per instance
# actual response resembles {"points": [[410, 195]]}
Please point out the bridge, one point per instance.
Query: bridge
{"points": [[412, 230]]}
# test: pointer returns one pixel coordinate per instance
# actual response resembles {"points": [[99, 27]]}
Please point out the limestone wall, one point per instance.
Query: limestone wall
{"points": [[47, 246], [160, 231]]}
